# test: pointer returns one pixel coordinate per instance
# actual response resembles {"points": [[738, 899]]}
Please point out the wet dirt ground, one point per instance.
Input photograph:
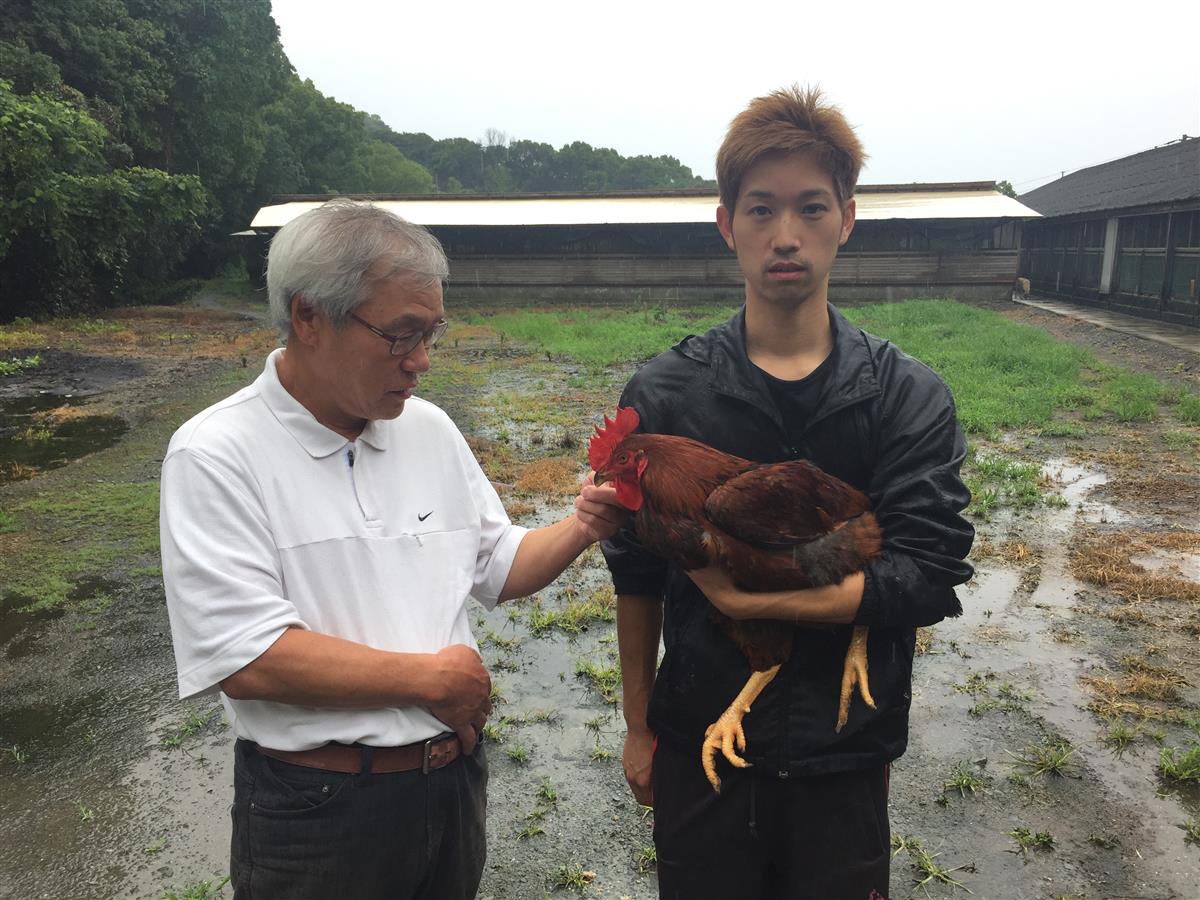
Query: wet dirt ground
{"points": [[116, 789]]}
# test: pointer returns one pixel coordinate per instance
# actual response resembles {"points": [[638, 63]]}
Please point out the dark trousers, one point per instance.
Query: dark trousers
{"points": [[307, 834], [765, 838]]}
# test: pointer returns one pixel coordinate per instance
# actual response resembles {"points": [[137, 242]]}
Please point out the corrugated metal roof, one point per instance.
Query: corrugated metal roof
{"points": [[970, 201], [1162, 175]]}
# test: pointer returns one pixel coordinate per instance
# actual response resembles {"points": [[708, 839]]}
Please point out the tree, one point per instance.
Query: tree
{"points": [[74, 232], [386, 170], [1006, 188]]}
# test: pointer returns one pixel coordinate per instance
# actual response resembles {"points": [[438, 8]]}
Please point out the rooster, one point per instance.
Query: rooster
{"points": [[772, 527]]}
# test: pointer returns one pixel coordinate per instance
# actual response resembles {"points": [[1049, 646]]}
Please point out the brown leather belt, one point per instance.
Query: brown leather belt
{"points": [[356, 758]]}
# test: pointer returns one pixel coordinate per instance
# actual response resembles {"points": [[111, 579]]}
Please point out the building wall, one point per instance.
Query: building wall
{"points": [[892, 259], [1151, 268]]}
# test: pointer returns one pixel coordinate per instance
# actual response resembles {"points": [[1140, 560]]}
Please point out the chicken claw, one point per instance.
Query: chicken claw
{"points": [[727, 732], [854, 673]]}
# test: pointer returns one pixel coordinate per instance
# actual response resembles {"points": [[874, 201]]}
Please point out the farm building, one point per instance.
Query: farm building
{"points": [[959, 240], [1124, 235]]}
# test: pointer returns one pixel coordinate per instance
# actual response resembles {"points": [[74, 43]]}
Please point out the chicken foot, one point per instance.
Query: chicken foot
{"points": [[727, 731], [854, 673]]}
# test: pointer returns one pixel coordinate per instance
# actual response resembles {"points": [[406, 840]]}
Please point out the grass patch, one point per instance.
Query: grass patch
{"points": [[556, 476], [926, 869], [1029, 840], [201, 890], [605, 680], [67, 536], [19, 337], [572, 877], [1187, 409], [192, 725], [964, 777], [1010, 376], [16, 364], [996, 482], [1191, 831], [603, 336], [1181, 440], [1106, 560], [1179, 765], [1051, 757], [647, 859]]}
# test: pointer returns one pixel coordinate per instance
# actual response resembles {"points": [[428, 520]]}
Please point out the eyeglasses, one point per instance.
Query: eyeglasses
{"points": [[404, 344]]}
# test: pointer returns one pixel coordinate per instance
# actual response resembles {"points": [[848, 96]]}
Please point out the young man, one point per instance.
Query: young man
{"points": [[789, 378], [321, 532]]}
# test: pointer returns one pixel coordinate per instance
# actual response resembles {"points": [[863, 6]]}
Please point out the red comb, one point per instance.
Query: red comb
{"points": [[606, 438]]}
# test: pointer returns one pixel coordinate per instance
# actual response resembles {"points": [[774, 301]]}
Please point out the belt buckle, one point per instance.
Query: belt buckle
{"points": [[428, 748]]}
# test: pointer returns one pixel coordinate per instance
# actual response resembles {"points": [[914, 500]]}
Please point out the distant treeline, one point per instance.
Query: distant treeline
{"points": [[136, 135]]}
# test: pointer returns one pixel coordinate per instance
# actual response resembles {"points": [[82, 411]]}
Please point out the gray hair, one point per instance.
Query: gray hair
{"points": [[335, 254]]}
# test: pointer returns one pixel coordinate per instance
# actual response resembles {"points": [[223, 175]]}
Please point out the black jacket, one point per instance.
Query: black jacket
{"points": [[885, 423]]}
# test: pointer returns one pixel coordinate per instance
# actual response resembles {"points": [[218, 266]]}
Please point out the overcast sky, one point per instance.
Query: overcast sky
{"points": [[958, 91]]}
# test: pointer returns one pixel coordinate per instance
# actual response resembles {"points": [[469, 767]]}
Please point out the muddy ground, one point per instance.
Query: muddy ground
{"points": [[116, 789]]}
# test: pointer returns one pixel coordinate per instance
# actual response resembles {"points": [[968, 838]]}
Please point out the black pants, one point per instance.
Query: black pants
{"points": [[307, 834], [765, 838]]}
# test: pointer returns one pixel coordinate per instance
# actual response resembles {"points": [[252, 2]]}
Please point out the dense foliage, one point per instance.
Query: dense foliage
{"points": [[498, 164], [136, 135]]}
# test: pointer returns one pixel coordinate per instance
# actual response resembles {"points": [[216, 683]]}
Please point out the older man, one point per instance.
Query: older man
{"points": [[318, 551]]}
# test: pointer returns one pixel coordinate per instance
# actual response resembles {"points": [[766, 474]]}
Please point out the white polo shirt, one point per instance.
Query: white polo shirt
{"points": [[266, 524]]}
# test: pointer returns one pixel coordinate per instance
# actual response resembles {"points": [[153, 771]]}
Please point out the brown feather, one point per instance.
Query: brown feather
{"points": [[771, 526]]}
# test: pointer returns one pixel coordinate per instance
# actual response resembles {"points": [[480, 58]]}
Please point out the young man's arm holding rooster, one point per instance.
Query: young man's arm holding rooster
{"points": [[916, 494]]}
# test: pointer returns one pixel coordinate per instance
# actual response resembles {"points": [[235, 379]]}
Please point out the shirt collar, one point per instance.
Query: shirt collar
{"points": [[294, 416]]}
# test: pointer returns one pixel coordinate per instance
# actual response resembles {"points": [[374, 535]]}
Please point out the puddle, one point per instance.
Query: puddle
{"points": [[1184, 565], [18, 626], [1077, 484], [31, 442], [1029, 657]]}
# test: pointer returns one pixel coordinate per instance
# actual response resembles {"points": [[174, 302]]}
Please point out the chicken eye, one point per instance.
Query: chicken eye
{"points": [[624, 457]]}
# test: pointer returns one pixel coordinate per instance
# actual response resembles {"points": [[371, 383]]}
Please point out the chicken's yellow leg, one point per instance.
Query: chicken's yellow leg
{"points": [[854, 673], [727, 730]]}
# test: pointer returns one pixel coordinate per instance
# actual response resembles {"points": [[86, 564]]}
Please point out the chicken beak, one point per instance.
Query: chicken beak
{"points": [[601, 477]]}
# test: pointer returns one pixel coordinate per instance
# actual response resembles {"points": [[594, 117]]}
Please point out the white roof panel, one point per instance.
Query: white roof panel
{"points": [[653, 210]]}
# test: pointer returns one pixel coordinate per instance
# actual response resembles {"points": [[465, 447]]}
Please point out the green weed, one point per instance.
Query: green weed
{"points": [[531, 829], [1177, 764], [1181, 440], [192, 725], [964, 777], [1191, 831], [518, 754], [201, 890], [647, 859], [996, 481], [16, 364], [1120, 736], [493, 733], [546, 794], [572, 876], [1051, 757], [925, 863], [1187, 409], [606, 680], [1026, 839]]}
